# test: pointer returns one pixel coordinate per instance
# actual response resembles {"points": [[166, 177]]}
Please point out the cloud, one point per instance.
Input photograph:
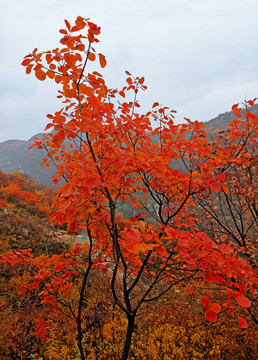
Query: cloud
{"points": [[197, 56]]}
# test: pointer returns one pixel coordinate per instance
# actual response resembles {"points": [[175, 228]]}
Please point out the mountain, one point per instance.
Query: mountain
{"points": [[15, 156], [221, 121]]}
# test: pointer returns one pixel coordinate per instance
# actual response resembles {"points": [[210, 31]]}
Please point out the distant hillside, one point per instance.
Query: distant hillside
{"points": [[24, 216], [222, 120], [14, 154]]}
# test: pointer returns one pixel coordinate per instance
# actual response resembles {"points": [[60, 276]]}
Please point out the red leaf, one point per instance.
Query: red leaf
{"points": [[54, 179], [28, 68], [74, 28], [210, 278], [251, 102], [155, 104], [91, 56], [23, 289], [48, 126], [170, 232], [92, 182], [175, 173], [67, 25], [51, 74], [87, 90], [236, 110], [242, 300], [63, 31], [80, 23], [215, 187], [40, 75], [102, 60], [205, 301], [225, 249], [160, 250], [94, 29], [216, 308], [59, 137], [242, 323], [211, 316], [238, 113], [224, 188], [221, 177], [131, 246], [253, 290], [234, 107], [133, 234], [73, 226], [26, 62]]}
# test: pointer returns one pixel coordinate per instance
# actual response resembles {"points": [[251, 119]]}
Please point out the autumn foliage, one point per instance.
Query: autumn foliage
{"points": [[174, 177]]}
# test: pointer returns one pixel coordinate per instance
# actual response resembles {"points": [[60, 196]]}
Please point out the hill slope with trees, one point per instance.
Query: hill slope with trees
{"points": [[15, 156]]}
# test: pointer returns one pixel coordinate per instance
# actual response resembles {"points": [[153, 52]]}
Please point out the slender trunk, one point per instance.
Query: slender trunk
{"points": [[79, 341], [129, 334], [79, 316]]}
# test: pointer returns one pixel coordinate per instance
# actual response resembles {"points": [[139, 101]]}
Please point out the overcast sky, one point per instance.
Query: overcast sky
{"points": [[198, 57]]}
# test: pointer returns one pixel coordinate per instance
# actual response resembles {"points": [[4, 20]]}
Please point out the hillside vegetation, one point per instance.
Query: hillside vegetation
{"points": [[30, 329]]}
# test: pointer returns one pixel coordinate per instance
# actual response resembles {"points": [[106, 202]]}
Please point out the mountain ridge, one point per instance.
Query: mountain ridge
{"points": [[15, 156]]}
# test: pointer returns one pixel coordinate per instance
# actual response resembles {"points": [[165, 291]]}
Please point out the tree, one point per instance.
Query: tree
{"points": [[233, 213], [106, 153]]}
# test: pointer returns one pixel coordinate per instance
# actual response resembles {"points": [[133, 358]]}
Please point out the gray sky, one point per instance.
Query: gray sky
{"points": [[198, 57]]}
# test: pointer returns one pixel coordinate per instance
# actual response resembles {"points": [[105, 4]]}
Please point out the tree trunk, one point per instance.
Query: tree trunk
{"points": [[129, 333], [79, 342]]}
